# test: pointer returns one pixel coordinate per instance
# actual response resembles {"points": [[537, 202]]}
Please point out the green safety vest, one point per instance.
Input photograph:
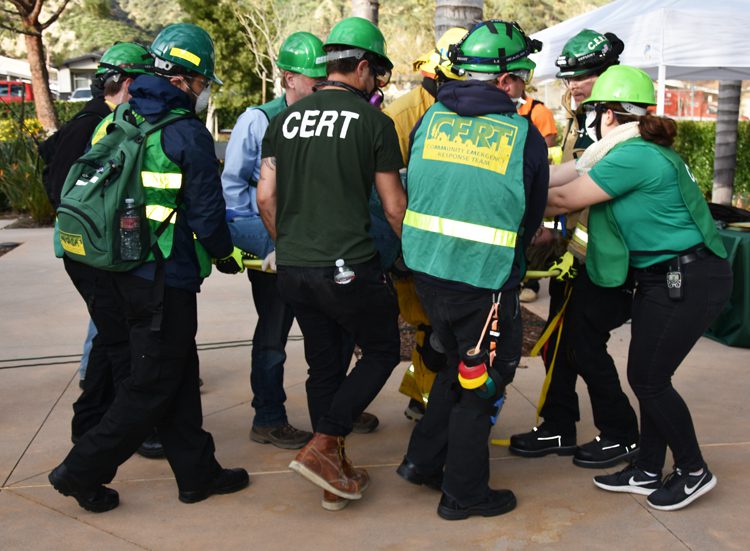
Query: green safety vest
{"points": [[608, 257], [162, 180], [466, 196], [274, 107], [271, 109]]}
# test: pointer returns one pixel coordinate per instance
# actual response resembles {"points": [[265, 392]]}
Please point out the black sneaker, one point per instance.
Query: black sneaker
{"points": [[152, 447], [415, 410], [227, 481], [97, 499], [365, 423], [631, 480], [285, 436], [540, 441], [601, 453], [680, 489], [497, 503]]}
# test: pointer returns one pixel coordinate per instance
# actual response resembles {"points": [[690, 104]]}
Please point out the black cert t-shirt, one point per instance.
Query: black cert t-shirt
{"points": [[328, 147]]}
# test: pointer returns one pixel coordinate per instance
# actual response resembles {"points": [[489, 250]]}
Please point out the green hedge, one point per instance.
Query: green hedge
{"points": [[65, 110], [695, 143]]}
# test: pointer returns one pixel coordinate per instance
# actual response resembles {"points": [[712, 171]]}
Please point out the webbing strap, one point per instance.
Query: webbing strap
{"points": [[460, 230]]}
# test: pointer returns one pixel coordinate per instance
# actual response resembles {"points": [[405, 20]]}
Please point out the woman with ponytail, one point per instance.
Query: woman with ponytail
{"points": [[649, 216]]}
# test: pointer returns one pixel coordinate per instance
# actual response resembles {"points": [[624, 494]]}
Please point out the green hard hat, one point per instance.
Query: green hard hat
{"points": [[494, 46], [187, 46], [588, 52], [358, 33], [302, 53], [624, 84], [125, 57]]}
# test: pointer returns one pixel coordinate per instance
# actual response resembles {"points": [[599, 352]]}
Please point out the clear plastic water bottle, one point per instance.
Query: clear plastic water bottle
{"points": [[130, 232], [343, 274]]}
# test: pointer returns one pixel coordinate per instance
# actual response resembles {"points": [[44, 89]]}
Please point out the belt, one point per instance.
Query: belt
{"points": [[668, 265]]}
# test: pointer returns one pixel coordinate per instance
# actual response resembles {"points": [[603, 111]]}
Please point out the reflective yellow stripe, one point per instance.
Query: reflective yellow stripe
{"points": [[184, 54], [461, 230], [170, 180], [581, 236], [551, 224], [159, 213]]}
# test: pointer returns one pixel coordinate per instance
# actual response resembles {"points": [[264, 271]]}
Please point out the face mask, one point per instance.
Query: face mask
{"points": [[590, 124], [201, 100], [519, 101]]}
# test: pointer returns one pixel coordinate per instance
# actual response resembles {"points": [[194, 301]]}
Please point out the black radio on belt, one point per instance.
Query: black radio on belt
{"points": [[675, 281]]}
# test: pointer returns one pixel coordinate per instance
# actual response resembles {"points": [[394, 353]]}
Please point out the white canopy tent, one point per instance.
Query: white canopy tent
{"points": [[676, 39]]}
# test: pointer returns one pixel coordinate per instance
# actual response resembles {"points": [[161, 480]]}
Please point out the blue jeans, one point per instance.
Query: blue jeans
{"points": [[249, 234], [90, 334], [274, 321]]}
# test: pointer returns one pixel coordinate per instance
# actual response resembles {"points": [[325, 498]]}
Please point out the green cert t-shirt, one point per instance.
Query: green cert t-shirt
{"points": [[328, 147], [647, 204]]}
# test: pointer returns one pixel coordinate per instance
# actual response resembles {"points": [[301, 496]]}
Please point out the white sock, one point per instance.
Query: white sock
{"points": [[697, 473], [652, 475]]}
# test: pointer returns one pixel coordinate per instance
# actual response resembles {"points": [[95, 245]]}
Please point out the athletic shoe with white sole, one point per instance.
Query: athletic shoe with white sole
{"points": [[680, 489], [631, 480]]}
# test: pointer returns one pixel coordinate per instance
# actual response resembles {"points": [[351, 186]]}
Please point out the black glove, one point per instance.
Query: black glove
{"points": [[231, 264]]}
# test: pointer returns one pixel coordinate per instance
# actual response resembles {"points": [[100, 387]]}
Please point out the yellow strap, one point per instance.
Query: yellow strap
{"points": [[461, 230], [548, 377], [552, 325], [161, 180]]}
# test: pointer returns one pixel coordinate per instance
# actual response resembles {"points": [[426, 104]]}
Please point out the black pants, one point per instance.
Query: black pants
{"points": [[453, 434], [329, 315], [592, 313], [161, 390], [109, 360], [275, 318], [664, 331]]}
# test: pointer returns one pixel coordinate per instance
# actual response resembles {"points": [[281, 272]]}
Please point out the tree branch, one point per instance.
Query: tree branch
{"points": [[24, 8], [54, 16], [13, 29]]}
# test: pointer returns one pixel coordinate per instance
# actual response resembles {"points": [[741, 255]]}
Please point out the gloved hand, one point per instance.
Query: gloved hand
{"points": [[231, 264], [269, 262], [565, 265]]}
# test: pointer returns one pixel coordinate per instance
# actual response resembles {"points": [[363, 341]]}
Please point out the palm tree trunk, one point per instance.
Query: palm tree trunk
{"points": [[456, 13], [367, 9], [725, 160]]}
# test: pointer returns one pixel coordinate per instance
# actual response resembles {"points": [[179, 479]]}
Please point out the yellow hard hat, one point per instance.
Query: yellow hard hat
{"points": [[429, 62]]}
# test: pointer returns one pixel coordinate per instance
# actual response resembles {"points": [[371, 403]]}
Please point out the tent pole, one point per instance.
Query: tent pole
{"points": [[661, 90]]}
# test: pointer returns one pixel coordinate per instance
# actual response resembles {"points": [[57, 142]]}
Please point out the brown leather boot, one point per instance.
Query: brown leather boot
{"points": [[332, 502], [357, 474], [321, 462]]}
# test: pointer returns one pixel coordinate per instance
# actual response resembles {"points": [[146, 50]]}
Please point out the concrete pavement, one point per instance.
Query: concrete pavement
{"points": [[42, 326]]}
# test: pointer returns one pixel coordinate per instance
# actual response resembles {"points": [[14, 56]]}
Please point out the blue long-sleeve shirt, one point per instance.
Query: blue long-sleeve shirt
{"points": [[242, 164]]}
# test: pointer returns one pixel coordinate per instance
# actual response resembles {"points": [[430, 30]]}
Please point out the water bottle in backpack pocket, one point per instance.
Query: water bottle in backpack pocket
{"points": [[93, 212]]}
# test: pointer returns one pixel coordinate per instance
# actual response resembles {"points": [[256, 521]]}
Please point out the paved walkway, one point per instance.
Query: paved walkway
{"points": [[42, 326]]}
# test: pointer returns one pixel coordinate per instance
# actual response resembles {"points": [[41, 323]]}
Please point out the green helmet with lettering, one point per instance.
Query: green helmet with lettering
{"points": [[623, 84], [589, 52], [184, 47], [302, 53], [125, 57], [494, 46], [358, 32]]}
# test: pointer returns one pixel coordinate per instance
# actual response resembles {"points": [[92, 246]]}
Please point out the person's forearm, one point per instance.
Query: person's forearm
{"points": [[266, 195], [559, 175]]}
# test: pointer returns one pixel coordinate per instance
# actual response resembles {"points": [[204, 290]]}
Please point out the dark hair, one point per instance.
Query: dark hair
{"points": [[112, 86], [659, 130], [349, 64]]}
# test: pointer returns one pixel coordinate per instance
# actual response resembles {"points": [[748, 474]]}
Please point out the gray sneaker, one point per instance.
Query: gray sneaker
{"points": [[284, 436]]}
